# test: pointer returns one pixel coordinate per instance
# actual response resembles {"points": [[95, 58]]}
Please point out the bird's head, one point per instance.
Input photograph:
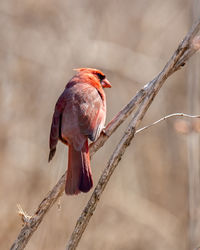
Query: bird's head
{"points": [[94, 75]]}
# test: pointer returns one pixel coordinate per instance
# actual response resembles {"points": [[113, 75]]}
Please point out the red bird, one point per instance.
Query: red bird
{"points": [[79, 114]]}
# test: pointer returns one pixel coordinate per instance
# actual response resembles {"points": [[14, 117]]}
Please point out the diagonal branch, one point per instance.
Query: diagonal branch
{"points": [[177, 60], [144, 97]]}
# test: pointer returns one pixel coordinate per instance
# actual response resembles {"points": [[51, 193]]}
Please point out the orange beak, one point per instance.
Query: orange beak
{"points": [[105, 83]]}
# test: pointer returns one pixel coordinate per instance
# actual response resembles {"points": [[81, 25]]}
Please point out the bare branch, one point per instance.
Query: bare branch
{"points": [[144, 97], [165, 118], [177, 60]]}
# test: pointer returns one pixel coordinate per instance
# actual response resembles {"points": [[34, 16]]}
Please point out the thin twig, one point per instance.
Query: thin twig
{"points": [[165, 118], [145, 96], [153, 88]]}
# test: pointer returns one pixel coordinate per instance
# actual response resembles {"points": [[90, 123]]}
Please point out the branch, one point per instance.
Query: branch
{"points": [[144, 97], [165, 118], [184, 51]]}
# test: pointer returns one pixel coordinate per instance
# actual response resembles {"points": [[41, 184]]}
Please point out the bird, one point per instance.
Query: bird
{"points": [[79, 115]]}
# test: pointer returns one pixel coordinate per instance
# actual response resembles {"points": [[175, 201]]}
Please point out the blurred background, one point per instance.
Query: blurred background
{"points": [[150, 199]]}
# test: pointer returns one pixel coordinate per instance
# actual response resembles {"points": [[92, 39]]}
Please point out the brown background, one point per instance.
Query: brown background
{"points": [[145, 205]]}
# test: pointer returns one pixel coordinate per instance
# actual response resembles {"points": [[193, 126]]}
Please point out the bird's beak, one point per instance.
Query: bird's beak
{"points": [[105, 83]]}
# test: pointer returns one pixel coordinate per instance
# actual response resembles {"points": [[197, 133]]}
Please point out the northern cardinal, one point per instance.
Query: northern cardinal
{"points": [[79, 114]]}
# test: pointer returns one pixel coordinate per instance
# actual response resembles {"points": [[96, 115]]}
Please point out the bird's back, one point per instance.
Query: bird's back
{"points": [[83, 115]]}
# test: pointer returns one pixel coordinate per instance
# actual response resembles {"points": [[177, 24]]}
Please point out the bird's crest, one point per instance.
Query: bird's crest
{"points": [[90, 70]]}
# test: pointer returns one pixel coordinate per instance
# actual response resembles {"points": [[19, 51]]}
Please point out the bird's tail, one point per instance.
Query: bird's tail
{"points": [[79, 177]]}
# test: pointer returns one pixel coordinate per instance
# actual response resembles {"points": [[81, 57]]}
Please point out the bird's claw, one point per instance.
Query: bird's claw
{"points": [[103, 131]]}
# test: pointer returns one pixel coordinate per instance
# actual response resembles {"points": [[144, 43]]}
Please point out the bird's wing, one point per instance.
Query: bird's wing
{"points": [[91, 112], [55, 132]]}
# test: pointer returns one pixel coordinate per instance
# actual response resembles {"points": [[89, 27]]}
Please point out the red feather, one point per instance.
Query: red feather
{"points": [[79, 177]]}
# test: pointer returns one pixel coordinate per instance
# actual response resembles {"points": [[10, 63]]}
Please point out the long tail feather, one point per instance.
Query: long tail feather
{"points": [[79, 177], [86, 179]]}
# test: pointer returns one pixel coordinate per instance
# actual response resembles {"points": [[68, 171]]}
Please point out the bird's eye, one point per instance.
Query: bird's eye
{"points": [[101, 77]]}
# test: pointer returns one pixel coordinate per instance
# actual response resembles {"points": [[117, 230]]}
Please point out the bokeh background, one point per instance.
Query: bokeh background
{"points": [[146, 203]]}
